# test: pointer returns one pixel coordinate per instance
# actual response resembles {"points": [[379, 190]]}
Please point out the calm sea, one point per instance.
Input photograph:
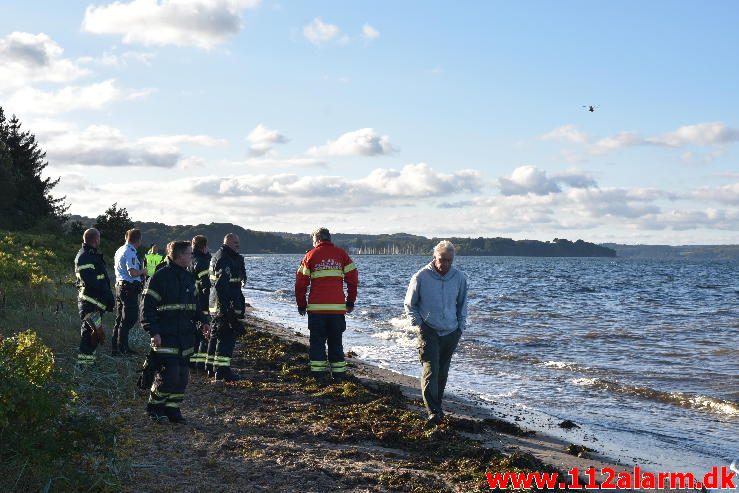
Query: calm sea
{"points": [[643, 355]]}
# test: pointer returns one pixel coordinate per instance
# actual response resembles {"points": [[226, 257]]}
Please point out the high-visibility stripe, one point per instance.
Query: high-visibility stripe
{"points": [[202, 273], [166, 350], [349, 268], [156, 401], [92, 300], [304, 270], [101, 277], [221, 361], [187, 352], [336, 364], [85, 266], [153, 294], [172, 404], [235, 279], [327, 273], [165, 308], [322, 306]]}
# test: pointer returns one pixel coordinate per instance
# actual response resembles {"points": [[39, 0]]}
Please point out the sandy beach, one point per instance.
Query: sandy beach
{"points": [[277, 430]]}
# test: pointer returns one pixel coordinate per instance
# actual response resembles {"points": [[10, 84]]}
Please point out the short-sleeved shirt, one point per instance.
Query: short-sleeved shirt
{"points": [[126, 258]]}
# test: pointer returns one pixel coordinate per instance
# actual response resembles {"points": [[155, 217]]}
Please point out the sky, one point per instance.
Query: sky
{"points": [[432, 118]]}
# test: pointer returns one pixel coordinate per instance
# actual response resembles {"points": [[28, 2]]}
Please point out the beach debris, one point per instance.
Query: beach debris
{"points": [[351, 354], [465, 424], [579, 450], [506, 427], [568, 424]]}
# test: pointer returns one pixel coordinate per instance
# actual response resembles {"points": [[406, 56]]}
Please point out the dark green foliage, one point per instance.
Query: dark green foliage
{"points": [[113, 224], [25, 197]]}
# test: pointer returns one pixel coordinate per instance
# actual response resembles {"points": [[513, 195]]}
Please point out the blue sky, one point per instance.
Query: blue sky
{"points": [[434, 118]]}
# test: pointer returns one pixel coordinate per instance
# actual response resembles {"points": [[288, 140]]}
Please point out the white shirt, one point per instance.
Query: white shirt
{"points": [[126, 258]]}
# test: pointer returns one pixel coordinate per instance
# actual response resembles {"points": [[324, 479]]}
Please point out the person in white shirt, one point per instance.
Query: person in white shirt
{"points": [[129, 277]]}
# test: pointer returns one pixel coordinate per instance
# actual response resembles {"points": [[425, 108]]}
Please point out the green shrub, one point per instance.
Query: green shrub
{"points": [[31, 396]]}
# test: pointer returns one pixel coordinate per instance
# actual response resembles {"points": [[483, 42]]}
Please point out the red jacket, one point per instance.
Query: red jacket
{"points": [[325, 269]]}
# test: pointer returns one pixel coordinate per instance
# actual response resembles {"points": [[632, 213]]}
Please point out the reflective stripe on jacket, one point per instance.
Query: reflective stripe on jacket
{"points": [[93, 282], [227, 276], [325, 269]]}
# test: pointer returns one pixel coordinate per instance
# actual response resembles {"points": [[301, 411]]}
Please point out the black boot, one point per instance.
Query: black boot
{"points": [[339, 377], [174, 415], [155, 411], [225, 374]]}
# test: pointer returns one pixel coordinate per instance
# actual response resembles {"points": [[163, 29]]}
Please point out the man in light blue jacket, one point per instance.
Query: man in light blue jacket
{"points": [[436, 303]]}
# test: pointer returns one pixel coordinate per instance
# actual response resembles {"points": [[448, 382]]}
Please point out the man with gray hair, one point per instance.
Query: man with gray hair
{"points": [[436, 303]]}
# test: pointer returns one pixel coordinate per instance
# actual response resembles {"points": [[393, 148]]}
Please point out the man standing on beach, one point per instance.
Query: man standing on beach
{"points": [[325, 269], [227, 305], [129, 276], [95, 296], [436, 303]]}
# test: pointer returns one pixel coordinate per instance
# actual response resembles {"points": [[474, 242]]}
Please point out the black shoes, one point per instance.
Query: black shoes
{"points": [[156, 412], [174, 415], [226, 375], [434, 420]]}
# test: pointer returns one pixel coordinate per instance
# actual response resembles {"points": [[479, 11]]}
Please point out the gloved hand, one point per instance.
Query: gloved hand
{"points": [[301, 311], [205, 330]]}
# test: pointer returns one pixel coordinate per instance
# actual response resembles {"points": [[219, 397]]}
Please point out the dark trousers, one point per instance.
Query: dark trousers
{"points": [[197, 360], [170, 382], [86, 354], [435, 353], [223, 342], [126, 314], [326, 329]]}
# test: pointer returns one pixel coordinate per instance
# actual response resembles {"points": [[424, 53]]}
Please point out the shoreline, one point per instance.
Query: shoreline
{"points": [[549, 449]]}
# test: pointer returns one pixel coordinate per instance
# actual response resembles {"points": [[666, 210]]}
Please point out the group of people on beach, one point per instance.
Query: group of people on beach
{"points": [[193, 309]]}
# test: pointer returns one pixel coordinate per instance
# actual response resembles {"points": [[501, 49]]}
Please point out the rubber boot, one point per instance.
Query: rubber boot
{"points": [[174, 415], [224, 373]]}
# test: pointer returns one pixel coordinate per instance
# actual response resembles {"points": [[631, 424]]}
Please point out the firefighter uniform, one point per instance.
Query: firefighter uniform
{"points": [[171, 311], [94, 298], [199, 268], [325, 269], [227, 304]]}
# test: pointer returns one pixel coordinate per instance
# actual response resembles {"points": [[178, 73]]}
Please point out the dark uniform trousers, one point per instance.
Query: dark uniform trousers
{"points": [[173, 370], [199, 358], [86, 355], [326, 328], [127, 313], [222, 343]]}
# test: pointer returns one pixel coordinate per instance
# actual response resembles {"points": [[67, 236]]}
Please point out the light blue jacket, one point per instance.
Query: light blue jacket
{"points": [[439, 301]]}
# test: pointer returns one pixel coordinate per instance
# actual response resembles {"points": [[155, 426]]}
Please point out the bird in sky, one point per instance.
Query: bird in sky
{"points": [[591, 108]]}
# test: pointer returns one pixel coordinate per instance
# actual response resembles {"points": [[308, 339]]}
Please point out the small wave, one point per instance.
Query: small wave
{"points": [[610, 334], [264, 290], [699, 402], [563, 365]]}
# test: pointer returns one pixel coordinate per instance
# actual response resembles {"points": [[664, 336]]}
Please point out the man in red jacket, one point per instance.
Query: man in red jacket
{"points": [[325, 269]]}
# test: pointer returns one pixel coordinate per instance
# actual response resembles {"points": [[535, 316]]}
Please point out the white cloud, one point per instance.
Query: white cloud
{"points": [[362, 142], [728, 194], [532, 180], [27, 58], [566, 133], [263, 139], [286, 163], [370, 33], [319, 32], [623, 139], [381, 186], [200, 23], [702, 134], [101, 145], [29, 100]]}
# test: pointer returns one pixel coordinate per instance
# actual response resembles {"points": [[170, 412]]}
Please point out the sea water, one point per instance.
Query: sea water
{"points": [[642, 355]]}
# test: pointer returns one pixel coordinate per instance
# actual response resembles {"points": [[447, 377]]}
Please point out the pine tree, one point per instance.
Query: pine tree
{"points": [[27, 199]]}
